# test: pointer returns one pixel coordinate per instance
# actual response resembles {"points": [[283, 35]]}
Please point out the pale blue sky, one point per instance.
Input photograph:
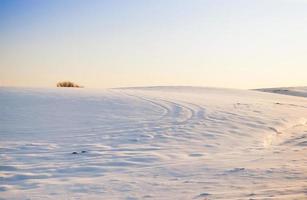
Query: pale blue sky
{"points": [[100, 44]]}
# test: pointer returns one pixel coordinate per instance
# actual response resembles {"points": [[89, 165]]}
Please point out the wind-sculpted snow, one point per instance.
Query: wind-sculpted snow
{"points": [[293, 91], [152, 143]]}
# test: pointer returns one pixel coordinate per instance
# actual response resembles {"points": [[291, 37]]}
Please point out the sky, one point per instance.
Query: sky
{"points": [[123, 43]]}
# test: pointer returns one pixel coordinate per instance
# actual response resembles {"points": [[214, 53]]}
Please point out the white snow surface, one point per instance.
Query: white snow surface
{"points": [[294, 91], [152, 143]]}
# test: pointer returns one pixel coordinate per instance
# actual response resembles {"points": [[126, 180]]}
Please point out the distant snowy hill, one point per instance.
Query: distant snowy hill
{"points": [[293, 91]]}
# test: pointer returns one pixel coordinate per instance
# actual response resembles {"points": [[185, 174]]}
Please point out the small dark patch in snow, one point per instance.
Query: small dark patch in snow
{"points": [[238, 169], [196, 155], [304, 143], [202, 195], [275, 130], [75, 152]]}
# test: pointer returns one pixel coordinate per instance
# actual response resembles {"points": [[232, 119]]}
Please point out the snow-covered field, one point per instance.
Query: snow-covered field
{"points": [[294, 91], [152, 143]]}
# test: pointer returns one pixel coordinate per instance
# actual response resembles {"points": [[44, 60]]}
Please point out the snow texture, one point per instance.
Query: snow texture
{"points": [[152, 143], [294, 91]]}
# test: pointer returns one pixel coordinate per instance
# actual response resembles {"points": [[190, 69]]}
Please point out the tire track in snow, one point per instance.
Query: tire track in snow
{"points": [[182, 112]]}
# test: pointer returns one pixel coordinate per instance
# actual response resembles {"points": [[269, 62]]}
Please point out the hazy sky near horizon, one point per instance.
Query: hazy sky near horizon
{"points": [[118, 43]]}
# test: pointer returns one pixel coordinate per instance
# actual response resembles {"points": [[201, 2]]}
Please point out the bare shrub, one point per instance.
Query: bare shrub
{"points": [[67, 84]]}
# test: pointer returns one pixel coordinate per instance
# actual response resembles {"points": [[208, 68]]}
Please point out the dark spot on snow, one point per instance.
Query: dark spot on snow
{"points": [[275, 130], [280, 90], [75, 152], [238, 169], [304, 143], [202, 195], [196, 155]]}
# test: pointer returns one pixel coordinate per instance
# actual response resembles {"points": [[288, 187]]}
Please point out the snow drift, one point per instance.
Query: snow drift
{"points": [[294, 91]]}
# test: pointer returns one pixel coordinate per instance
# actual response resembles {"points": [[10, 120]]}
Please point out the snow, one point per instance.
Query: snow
{"points": [[294, 91], [152, 143]]}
